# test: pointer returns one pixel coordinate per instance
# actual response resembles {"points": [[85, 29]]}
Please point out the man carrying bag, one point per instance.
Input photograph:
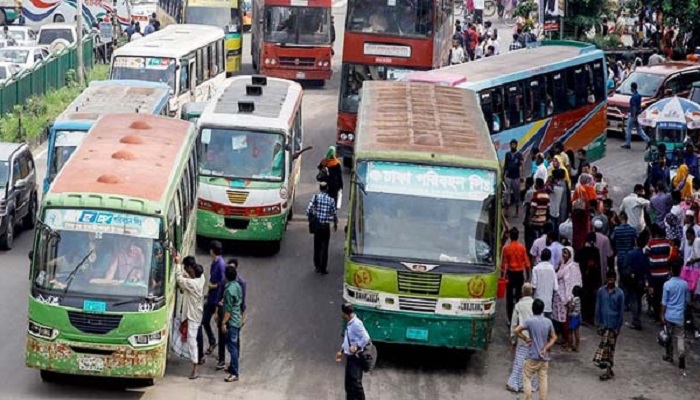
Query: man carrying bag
{"points": [[360, 354], [321, 211]]}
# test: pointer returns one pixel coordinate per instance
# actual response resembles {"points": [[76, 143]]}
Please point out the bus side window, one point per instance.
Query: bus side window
{"points": [[200, 67], [205, 62], [487, 109], [557, 92], [298, 138], [597, 78], [172, 217], [534, 103], [221, 56], [184, 76], [499, 107], [581, 85], [515, 104], [179, 220]]}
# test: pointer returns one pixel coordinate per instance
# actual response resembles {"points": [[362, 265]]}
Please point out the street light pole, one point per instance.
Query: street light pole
{"points": [[79, 34]]}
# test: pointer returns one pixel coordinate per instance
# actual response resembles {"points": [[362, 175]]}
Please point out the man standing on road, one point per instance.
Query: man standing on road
{"points": [[638, 261], [541, 337], [215, 290], [512, 171], [673, 303], [660, 204], [634, 205], [660, 250], [233, 263], [323, 208], [610, 307], [635, 110], [515, 264], [623, 239], [355, 340], [544, 281], [190, 279], [232, 321]]}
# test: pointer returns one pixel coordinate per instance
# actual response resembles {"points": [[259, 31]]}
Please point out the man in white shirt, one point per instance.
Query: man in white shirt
{"points": [[544, 281], [656, 58], [541, 171], [633, 205], [456, 53]]}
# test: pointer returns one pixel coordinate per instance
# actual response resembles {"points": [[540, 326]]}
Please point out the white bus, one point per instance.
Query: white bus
{"points": [[191, 59], [251, 140]]}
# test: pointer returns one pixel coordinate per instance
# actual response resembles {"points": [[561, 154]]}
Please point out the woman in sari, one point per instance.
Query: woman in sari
{"points": [[583, 194], [588, 259], [557, 164], [683, 182], [568, 276]]}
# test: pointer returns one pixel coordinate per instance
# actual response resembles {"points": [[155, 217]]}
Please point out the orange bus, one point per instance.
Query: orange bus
{"points": [[291, 39], [385, 41]]}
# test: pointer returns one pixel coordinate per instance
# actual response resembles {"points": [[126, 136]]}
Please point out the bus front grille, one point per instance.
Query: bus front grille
{"points": [[297, 61], [94, 323], [417, 304], [419, 283], [237, 197]]}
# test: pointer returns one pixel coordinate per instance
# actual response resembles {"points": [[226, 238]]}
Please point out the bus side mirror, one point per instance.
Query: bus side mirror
{"points": [[31, 255], [668, 92]]}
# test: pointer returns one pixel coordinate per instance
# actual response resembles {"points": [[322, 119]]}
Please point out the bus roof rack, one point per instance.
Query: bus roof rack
{"points": [[259, 80], [253, 90], [246, 106]]}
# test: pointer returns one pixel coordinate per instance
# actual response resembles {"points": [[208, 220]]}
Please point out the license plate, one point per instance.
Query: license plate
{"points": [[614, 124], [471, 307], [94, 306], [301, 75], [367, 297], [94, 364], [417, 334]]}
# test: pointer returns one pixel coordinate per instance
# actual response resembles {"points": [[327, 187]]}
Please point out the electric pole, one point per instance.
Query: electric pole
{"points": [[79, 34]]}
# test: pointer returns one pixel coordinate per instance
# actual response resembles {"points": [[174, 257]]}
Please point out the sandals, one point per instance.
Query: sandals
{"points": [[606, 376], [193, 376], [231, 378], [211, 349]]}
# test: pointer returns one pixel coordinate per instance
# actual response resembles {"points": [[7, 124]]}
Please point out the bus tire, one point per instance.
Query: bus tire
{"points": [[347, 162], [275, 246], [48, 376], [8, 239], [290, 213], [148, 382], [59, 18]]}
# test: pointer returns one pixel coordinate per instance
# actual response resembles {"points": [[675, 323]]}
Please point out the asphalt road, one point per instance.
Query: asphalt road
{"points": [[294, 326]]}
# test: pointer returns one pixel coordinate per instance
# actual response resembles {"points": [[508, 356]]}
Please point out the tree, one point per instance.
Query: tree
{"points": [[584, 14]]}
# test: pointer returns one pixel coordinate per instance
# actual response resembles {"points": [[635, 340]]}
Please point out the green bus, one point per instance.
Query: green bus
{"points": [[102, 287], [423, 225], [251, 138]]}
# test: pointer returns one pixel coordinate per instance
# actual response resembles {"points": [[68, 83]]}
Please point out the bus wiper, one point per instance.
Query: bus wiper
{"points": [[74, 272]]}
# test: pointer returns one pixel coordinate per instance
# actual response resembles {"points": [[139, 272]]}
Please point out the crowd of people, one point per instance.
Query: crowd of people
{"points": [[585, 261], [474, 40]]}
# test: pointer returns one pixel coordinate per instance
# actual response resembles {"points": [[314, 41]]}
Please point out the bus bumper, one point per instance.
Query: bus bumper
{"points": [[310, 75], [215, 226], [426, 329], [80, 358]]}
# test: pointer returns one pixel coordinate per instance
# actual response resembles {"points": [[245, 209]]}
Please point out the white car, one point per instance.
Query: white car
{"points": [[8, 70], [23, 35], [50, 33], [26, 57]]}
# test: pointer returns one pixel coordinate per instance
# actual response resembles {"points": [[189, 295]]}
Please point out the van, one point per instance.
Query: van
{"points": [[18, 191], [653, 83]]}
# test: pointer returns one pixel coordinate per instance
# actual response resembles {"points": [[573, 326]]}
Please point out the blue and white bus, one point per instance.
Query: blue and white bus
{"points": [[100, 98]]}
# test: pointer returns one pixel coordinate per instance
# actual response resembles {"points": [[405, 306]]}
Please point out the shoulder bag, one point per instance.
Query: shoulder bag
{"points": [[313, 219], [367, 356]]}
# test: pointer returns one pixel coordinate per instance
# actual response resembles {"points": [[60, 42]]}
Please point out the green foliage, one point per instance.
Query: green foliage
{"points": [[583, 14], [607, 42], [40, 111], [684, 13]]}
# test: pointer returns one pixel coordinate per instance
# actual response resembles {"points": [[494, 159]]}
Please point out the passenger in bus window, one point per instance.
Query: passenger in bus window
{"points": [[128, 258], [377, 23], [549, 106], [591, 97]]}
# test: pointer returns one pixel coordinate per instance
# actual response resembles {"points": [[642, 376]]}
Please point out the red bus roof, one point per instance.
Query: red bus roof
{"points": [[436, 77], [131, 155]]}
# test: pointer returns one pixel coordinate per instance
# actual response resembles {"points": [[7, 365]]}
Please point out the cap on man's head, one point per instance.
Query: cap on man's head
{"points": [[598, 224], [690, 213]]}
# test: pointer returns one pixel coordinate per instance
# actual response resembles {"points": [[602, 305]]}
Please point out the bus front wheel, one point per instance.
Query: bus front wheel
{"points": [[48, 376], [275, 246], [347, 162]]}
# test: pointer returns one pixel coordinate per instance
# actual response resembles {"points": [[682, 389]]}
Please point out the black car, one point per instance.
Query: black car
{"points": [[18, 191]]}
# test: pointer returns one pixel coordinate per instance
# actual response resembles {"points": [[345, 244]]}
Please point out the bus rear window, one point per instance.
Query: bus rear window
{"points": [[151, 69], [396, 17]]}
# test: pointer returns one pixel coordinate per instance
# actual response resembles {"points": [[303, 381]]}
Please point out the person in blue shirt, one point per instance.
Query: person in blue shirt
{"points": [[355, 339], [215, 288], [638, 263], [610, 307], [635, 110], [690, 159], [233, 263], [673, 303]]}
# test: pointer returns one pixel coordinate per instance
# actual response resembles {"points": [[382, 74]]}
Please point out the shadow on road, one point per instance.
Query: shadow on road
{"points": [[429, 359]]}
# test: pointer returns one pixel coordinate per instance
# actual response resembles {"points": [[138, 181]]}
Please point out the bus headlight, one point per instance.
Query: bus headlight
{"points": [[351, 137], [343, 136], [267, 61], [150, 339], [273, 61], [320, 63], [284, 193], [326, 63], [42, 332]]}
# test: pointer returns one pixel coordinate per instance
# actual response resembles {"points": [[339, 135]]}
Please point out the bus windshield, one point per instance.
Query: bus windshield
{"points": [[64, 146], [215, 16], [241, 154], [402, 17], [354, 74], [99, 254], [298, 25], [410, 212], [647, 84], [151, 69]]}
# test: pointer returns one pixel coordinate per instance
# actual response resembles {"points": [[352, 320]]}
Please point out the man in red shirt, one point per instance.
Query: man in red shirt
{"points": [[662, 254], [515, 263], [471, 39]]}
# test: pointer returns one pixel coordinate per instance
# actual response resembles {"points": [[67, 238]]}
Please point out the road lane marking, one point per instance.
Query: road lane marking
{"points": [[41, 154]]}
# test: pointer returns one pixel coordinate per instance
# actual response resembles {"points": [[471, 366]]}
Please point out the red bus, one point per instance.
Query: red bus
{"points": [[386, 40], [291, 39]]}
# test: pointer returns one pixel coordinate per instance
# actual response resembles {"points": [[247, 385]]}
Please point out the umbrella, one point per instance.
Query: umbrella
{"points": [[671, 112]]}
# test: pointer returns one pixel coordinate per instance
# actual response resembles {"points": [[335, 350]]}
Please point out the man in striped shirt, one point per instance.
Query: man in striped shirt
{"points": [[539, 207], [323, 208], [661, 255]]}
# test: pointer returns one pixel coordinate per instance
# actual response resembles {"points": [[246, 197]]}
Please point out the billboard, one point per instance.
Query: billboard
{"points": [[550, 13]]}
